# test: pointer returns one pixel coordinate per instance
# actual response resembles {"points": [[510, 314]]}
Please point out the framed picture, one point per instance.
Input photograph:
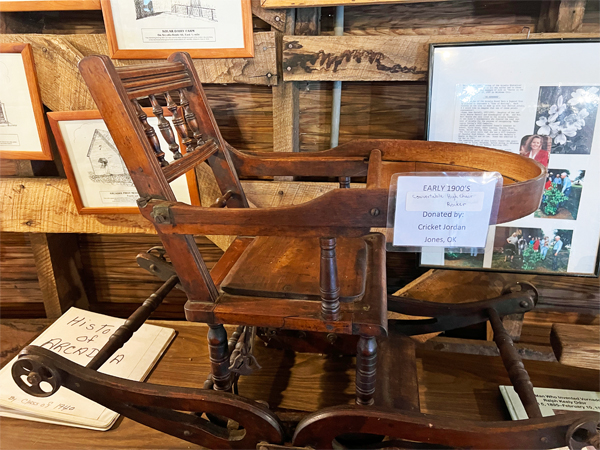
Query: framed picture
{"points": [[23, 133], [538, 98], [97, 175], [151, 29], [48, 5]]}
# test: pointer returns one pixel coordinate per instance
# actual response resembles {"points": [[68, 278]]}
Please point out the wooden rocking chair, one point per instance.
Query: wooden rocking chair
{"points": [[310, 268]]}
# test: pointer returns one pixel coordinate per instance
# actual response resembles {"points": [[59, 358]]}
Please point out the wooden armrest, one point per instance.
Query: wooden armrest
{"points": [[342, 212]]}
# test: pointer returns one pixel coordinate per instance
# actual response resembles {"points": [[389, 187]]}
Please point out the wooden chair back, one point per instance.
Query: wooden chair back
{"points": [[117, 92]]}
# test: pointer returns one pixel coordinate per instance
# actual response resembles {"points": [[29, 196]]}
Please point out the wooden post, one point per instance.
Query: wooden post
{"points": [[286, 95], [366, 370], [563, 16], [219, 357], [58, 264], [330, 286]]}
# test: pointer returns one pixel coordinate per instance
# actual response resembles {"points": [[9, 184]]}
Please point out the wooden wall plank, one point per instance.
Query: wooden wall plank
{"points": [[45, 205], [58, 264], [384, 110], [286, 117], [274, 17], [116, 284], [20, 293], [373, 58], [309, 3], [63, 89], [455, 17], [563, 16]]}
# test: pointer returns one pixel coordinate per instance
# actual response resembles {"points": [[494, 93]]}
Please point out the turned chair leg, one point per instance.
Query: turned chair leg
{"points": [[330, 286], [366, 370], [219, 357]]}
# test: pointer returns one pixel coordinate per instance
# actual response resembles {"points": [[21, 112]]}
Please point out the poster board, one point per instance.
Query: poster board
{"points": [[539, 99]]}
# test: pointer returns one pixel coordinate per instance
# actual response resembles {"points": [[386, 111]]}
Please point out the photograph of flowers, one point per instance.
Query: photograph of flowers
{"points": [[494, 95]]}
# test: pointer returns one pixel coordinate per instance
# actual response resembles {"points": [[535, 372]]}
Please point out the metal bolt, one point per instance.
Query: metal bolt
{"points": [[524, 304], [34, 378], [187, 433], [269, 75], [289, 69], [375, 212], [290, 45], [277, 19], [160, 218], [153, 268], [332, 337], [265, 49]]}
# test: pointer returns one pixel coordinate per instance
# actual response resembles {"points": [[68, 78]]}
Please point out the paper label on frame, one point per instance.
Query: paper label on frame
{"points": [[443, 211]]}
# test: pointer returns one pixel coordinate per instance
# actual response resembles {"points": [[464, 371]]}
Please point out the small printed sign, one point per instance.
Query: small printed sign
{"points": [[453, 210]]}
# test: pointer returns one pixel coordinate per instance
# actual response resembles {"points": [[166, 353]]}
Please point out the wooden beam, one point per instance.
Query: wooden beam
{"points": [[58, 264], [310, 3], [308, 22], [274, 17], [286, 117], [564, 16], [45, 205], [375, 58], [286, 105], [576, 345], [63, 89]]}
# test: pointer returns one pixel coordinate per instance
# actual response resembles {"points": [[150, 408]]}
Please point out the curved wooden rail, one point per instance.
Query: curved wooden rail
{"points": [[156, 406], [319, 430]]}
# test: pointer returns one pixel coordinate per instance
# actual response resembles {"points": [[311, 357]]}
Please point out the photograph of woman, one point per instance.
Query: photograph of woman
{"points": [[536, 147]]}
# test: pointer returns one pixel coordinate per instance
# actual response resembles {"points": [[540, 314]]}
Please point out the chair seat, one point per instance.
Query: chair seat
{"points": [[367, 315], [283, 267]]}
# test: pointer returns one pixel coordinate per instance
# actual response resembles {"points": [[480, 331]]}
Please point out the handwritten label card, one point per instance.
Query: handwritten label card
{"points": [[444, 210]]}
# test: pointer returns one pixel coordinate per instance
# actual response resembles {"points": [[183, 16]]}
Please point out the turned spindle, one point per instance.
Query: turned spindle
{"points": [[219, 357], [165, 127], [366, 370], [329, 284], [179, 123], [190, 117], [344, 182], [150, 134], [514, 366], [122, 335], [221, 202]]}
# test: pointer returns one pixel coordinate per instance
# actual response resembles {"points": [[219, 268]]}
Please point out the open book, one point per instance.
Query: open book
{"points": [[78, 335]]}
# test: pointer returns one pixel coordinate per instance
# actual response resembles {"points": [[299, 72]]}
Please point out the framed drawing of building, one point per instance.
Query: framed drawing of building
{"points": [[152, 29], [23, 133], [48, 5], [97, 175]]}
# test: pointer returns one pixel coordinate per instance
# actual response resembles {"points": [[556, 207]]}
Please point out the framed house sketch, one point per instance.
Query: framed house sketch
{"points": [[97, 175], [23, 133], [150, 29], [48, 5], [493, 94]]}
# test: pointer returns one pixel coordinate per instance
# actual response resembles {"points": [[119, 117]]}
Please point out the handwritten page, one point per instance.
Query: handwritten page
{"points": [[79, 335]]}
